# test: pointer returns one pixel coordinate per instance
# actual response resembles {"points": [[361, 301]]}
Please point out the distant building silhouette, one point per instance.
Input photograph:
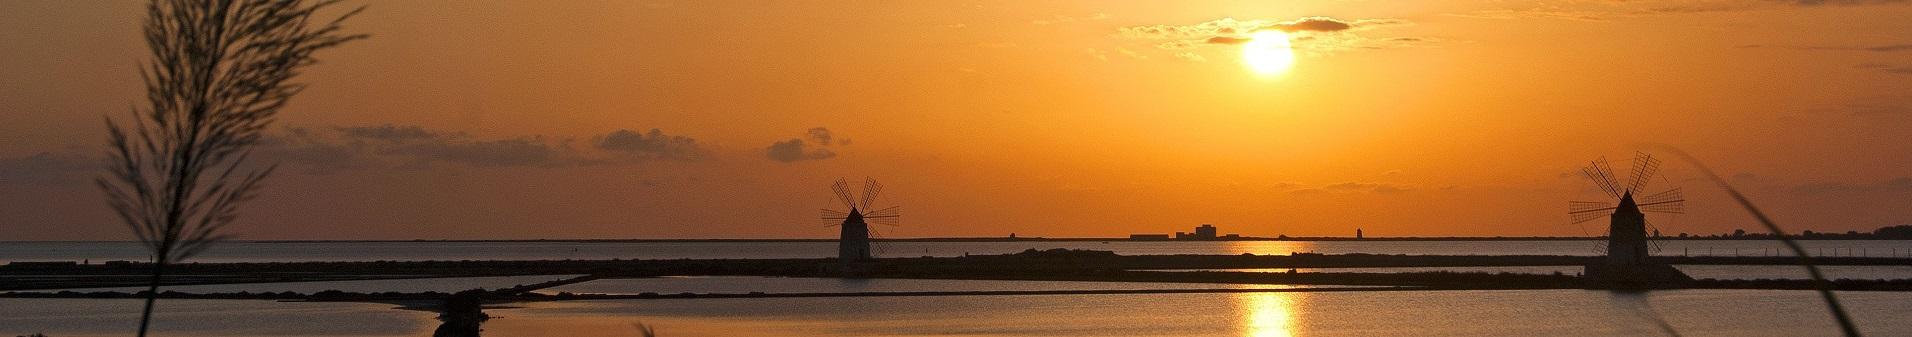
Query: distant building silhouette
{"points": [[1203, 232], [1357, 233]]}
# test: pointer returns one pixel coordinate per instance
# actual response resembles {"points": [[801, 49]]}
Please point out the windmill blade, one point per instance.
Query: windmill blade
{"points": [[1583, 211], [842, 189], [1644, 166], [1669, 206], [871, 189], [1670, 201], [1602, 175], [1658, 245], [1584, 217], [1668, 195], [1587, 206], [892, 210], [832, 212], [1600, 246], [878, 247]]}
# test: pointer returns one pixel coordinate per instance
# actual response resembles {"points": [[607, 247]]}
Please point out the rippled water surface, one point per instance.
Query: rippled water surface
{"points": [[414, 285], [418, 251], [746, 284], [1359, 313]]}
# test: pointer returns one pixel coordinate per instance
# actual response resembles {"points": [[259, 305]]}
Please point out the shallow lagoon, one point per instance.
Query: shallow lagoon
{"points": [[746, 284], [1360, 313], [254, 251]]}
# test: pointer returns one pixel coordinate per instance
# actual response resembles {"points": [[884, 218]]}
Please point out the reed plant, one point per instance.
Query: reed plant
{"points": [[219, 74]]}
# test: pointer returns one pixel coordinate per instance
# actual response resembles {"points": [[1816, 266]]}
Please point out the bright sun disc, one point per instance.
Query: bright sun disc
{"points": [[1268, 52]]}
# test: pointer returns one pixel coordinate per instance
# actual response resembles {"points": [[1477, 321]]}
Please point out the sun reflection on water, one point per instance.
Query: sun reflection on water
{"points": [[1267, 314]]}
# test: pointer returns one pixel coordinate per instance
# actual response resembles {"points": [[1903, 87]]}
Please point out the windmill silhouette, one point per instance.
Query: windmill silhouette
{"points": [[854, 242], [1627, 231]]}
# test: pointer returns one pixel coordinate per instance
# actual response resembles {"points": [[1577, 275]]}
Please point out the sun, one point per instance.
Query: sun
{"points": [[1268, 52]]}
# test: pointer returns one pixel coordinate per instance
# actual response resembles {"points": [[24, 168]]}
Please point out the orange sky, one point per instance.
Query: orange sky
{"points": [[501, 119]]}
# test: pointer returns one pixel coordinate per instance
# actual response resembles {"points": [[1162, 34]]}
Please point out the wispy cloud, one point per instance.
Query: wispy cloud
{"points": [[1317, 34], [1614, 10], [57, 168], [816, 144], [1882, 48], [652, 145]]}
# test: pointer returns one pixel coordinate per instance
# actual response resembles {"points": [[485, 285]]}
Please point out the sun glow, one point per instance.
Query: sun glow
{"points": [[1268, 52], [1268, 314]]}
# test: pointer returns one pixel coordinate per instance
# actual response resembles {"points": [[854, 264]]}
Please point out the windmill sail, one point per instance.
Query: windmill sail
{"points": [[856, 234]]}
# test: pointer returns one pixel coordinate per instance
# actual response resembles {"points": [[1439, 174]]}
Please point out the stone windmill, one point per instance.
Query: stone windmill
{"points": [[853, 244], [1626, 246]]}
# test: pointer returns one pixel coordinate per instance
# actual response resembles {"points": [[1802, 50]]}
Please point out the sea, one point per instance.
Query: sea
{"points": [[305, 251], [1268, 311]]}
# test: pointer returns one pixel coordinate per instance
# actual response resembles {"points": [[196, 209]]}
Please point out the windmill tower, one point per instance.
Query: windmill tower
{"points": [[1627, 247], [853, 244]]}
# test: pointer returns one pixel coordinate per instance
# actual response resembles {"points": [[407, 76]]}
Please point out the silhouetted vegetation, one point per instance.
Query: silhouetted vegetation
{"points": [[1823, 286], [462, 314], [220, 71]]}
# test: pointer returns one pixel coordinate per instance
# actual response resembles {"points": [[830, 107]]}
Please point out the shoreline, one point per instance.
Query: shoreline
{"points": [[1018, 239]]}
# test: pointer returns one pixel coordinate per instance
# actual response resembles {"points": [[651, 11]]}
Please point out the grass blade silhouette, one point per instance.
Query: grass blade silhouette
{"points": [[1818, 279], [220, 72]]}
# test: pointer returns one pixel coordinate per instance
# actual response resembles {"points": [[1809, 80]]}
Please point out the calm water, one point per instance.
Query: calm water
{"points": [[420, 251], [1425, 313], [120, 317], [1746, 272], [746, 284], [443, 285]]}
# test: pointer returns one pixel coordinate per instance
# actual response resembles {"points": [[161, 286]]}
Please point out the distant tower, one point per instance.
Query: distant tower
{"points": [[853, 242], [1357, 233]]}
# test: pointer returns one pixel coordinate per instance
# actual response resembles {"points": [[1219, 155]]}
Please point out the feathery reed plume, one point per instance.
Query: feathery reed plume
{"points": [[221, 69], [1819, 281]]}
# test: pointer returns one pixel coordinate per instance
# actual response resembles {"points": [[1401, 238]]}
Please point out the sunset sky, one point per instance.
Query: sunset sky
{"points": [[730, 119]]}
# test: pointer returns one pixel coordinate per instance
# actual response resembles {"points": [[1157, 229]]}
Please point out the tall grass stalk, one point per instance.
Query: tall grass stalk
{"points": [[220, 72], [1819, 281]]}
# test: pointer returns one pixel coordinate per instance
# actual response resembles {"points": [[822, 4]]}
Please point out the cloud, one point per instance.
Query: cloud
{"points": [[1884, 48], [793, 150], [484, 153], [335, 149], [1191, 57], [820, 135], [1540, 13], [1350, 188], [1874, 106], [1366, 187], [1844, 2], [652, 145], [1316, 24], [1611, 10], [1886, 68], [1227, 40], [1890, 48], [387, 132], [1320, 34], [1900, 185], [50, 168], [815, 145]]}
